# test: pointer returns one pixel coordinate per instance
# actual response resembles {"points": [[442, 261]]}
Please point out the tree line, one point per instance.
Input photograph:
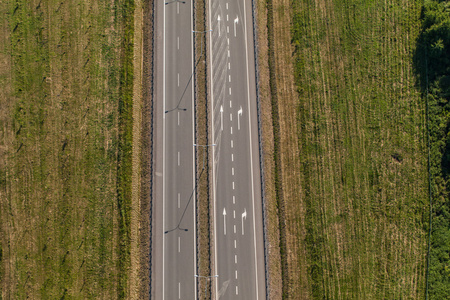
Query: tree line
{"points": [[432, 59]]}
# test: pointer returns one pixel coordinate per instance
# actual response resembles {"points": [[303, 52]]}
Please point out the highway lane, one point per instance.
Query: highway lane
{"points": [[174, 239], [238, 235]]}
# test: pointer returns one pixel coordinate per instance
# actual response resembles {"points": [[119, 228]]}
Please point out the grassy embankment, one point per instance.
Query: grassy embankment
{"points": [[203, 157], [65, 148], [349, 150]]}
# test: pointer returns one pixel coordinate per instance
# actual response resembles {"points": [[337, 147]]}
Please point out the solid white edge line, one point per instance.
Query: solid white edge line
{"points": [[251, 150], [215, 271], [193, 154], [164, 143]]}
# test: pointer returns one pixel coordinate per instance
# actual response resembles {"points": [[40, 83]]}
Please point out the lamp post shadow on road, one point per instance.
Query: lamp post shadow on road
{"points": [[207, 278], [187, 204], [192, 75], [179, 1]]}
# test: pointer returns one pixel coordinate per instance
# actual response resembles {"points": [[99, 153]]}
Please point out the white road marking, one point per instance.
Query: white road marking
{"points": [[230, 103], [233, 185], [234, 227], [244, 217], [224, 221], [231, 130], [218, 22], [178, 158], [229, 91], [231, 143], [227, 5], [251, 155], [179, 247], [179, 290], [178, 79], [232, 157], [229, 67], [178, 8], [178, 43], [234, 244], [237, 293], [234, 200], [178, 118], [235, 274], [227, 18], [229, 78], [231, 117], [228, 41], [232, 171], [235, 259], [228, 27], [228, 53], [234, 214]]}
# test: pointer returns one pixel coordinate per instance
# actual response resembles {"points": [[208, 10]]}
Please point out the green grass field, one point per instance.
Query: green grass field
{"points": [[65, 161], [352, 148]]}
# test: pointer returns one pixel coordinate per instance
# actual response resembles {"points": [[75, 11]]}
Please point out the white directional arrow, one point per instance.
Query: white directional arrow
{"points": [[218, 21], [239, 114], [224, 221], [236, 21], [221, 117], [244, 217]]}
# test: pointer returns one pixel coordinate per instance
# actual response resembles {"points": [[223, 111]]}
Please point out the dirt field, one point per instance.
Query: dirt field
{"points": [[346, 169], [64, 210]]}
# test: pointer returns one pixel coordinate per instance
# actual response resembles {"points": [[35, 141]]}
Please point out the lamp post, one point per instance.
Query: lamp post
{"points": [[204, 148], [206, 280]]}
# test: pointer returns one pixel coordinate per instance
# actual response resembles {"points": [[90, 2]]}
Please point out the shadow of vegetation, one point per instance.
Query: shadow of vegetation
{"points": [[432, 65]]}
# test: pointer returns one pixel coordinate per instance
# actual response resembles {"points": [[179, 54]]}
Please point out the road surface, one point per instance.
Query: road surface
{"points": [[239, 251], [174, 232]]}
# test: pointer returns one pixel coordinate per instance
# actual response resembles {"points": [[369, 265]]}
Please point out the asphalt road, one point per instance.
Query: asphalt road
{"points": [[174, 232], [238, 233]]}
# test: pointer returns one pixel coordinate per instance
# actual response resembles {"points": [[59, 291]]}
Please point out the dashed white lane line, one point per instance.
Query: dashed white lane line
{"points": [[232, 157], [237, 292], [229, 91], [235, 274], [235, 259], [233, 185], [228, 27], [230, 103], [179, 290], [178, 43], [228, 41], [231, 143], [229, 66], [178, 200], [231, 128], [229, 78], [178, 79], [227, 18], [227, 5], [234, 200], [178, 158], [178, 8], [179, 247], [234, 228], [234, 216], [178, 118], [231, 117], [228, 53], [234, 244], [232, 171]]}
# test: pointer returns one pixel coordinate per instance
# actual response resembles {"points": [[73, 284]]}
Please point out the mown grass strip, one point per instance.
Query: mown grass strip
{"points": [[124, 159], [277, 152]]}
